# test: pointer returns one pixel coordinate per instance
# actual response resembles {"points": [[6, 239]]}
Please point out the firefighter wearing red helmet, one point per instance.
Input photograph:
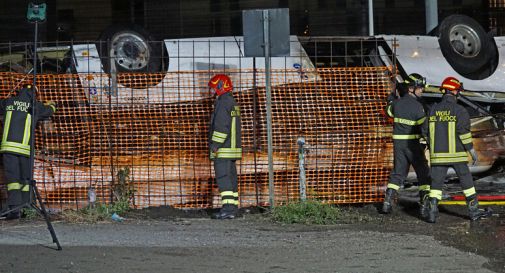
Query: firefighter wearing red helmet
{"points": [[448, 133], [16, 144], [409, 115], [225, 144]]}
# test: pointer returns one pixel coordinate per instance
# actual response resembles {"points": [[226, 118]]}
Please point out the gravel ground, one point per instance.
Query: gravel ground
{"points": [[161, 240]]}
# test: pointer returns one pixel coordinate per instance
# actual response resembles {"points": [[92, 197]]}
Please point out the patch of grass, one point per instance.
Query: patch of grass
{"points": [[314, 212], [98, 213], [308, 212], [30, 213]]}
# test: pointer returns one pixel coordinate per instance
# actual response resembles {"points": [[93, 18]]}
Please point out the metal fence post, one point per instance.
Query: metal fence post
{"points": [[301, 166], [266, 36]]}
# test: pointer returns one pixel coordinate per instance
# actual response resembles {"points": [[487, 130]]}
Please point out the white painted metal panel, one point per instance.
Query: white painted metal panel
{"points": [[422, 54]]}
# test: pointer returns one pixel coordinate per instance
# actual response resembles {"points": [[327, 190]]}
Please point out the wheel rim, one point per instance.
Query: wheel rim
{"points": [[465, 41], [130, 51]]}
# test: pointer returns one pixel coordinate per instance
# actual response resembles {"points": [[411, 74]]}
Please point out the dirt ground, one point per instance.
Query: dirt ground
{"points": [[168, 240]]}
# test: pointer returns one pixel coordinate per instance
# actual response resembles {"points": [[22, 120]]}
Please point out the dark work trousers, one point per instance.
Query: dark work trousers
{"points": [[17, 175], [438, 173], [226, 176], [407, 152]]}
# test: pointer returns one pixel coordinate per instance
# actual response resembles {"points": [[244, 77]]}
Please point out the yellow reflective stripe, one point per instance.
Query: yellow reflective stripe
{"points": [[229, 153], [405, 121], [219, 134], [53, 107], [449, 157], [226, 193], [228, 201], [446, 155], [235, 194], [406, 136], [219, 137], [26, 188], [233, 132], [420, 121], [28, 129], [467, 141], [424, 187], [466, 138], [469, 192], [393, 186], [231, 156], [451, 134], [449, 160], [15, 148], [218, 140], [432, 138], [235, 202], [7, 125], [436, 194], [388, 110], [17, 145], [14, 186]]}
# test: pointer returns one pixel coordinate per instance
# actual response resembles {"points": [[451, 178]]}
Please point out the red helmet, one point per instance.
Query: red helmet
{"points": [[451, 84], [221, 84]]}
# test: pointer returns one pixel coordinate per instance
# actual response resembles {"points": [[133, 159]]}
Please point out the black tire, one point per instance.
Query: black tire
{"points": [[466, 46], [134, 51]]}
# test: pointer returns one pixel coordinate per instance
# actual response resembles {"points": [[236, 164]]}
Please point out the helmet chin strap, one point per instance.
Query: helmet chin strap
{"points": [[413, 92]]}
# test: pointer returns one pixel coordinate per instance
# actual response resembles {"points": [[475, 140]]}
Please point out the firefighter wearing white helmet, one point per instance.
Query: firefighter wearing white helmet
{"points": [[409, 115]]}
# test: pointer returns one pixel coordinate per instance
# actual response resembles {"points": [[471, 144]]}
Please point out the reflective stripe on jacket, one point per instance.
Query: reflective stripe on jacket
{"points": [[225, 129], [448, 132], [409, 115]]}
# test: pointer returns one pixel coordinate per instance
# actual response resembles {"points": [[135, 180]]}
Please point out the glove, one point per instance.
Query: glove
{"points": [[474, 157], [213, 147], [50, 104]]}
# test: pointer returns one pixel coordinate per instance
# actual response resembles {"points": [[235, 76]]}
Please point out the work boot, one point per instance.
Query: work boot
{"points": [[474, 212], [424, 201], [228, 211], [432, 210], [387, 206]]}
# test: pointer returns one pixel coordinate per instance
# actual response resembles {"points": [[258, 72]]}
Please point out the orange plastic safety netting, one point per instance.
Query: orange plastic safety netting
{"points": [[152, 136]]}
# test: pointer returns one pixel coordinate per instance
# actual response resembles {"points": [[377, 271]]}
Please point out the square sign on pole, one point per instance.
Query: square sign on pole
{"points": [[252, 27], [266, 34]]}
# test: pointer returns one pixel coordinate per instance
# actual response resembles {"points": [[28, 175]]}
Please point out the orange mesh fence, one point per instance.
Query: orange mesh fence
{"points": [[153, 137]]}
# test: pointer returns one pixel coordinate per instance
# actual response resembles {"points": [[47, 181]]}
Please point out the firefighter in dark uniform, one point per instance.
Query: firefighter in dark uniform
{"points": [[447, 130], [16, 144], [225, 144], [409, 115]]}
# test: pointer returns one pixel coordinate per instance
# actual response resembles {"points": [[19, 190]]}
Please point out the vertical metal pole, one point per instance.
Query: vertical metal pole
{"points": [[301, 166], [113, 71], [266, 39], [34, 99], [370, 18], [35, 56], [431, 8], [255, 131]]}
